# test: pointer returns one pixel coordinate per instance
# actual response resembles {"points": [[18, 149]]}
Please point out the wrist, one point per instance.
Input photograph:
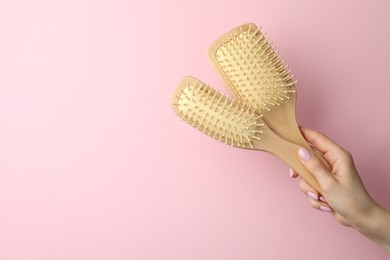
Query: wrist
{"points": [[375, 225], [366, 219]]}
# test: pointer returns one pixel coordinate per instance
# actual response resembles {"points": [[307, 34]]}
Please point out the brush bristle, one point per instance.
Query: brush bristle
{"points": [[215, 114], [253, 69]]}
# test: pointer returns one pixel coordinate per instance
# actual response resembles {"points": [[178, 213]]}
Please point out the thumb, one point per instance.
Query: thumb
{"points": [[315, 166]]}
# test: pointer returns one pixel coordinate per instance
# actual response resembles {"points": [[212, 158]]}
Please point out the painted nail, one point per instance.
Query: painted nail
{"points": [[326, 209], [322, 198], [304, 154], [291, 171], [312, 195]]}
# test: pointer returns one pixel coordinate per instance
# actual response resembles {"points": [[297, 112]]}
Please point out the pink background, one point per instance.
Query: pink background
{"points": [[95, 165]]}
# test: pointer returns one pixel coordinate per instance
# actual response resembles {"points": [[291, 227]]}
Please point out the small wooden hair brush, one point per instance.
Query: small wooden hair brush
{"points": [[233, 122]]}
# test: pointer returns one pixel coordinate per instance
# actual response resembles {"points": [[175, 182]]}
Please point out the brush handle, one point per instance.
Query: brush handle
{"points": [[296, 135], [288, 152], [283, 120]]}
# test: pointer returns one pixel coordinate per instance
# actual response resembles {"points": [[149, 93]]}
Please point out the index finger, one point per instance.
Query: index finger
{"points": [[320, 141]]}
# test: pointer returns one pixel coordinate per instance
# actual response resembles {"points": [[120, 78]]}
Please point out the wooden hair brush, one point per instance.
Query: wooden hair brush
{"points": [[233, 122], [253, 72]]}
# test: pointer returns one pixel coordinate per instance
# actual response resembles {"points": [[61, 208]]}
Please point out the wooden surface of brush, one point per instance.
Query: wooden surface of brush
{"points": [[253, 72], [233, 122]]}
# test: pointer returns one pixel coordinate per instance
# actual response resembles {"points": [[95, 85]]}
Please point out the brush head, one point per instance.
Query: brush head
{"points": [[251, 68], [226, 120]]}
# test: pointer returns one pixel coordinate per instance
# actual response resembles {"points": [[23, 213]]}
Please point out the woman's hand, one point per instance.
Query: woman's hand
{"points": [[343, 193]]}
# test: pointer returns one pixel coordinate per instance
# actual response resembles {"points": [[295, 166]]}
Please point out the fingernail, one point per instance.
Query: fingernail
{"points": [[304, 154], [312, 195], [322, 198], [325, 208], [291, 171]]}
